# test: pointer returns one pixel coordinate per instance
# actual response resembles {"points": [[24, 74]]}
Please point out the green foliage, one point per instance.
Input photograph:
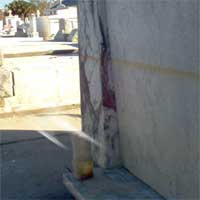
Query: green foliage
{"points": [[1, 14], [41, 5], [21, 8]]}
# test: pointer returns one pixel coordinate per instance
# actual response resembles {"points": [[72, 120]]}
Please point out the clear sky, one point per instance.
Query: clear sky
{"points": [[4, 2]]}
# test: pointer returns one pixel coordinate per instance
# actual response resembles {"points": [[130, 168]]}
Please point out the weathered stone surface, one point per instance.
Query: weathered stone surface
{"points": [[82, 163], [157, 86], [73, 36], [97, 96], [33, 26], [6, 83], [46, 81], [2, 102]]}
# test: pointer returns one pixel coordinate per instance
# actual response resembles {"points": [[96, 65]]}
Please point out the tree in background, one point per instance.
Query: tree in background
{"points": [[1, 14], [24, 8], [21, 8], [41, 5]]}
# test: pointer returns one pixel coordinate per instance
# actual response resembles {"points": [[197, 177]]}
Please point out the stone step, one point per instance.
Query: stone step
{"points": [[109, 184]]}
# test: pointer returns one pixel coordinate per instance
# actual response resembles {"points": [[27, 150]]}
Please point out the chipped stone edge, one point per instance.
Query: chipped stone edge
{"points": [[72, 189]]}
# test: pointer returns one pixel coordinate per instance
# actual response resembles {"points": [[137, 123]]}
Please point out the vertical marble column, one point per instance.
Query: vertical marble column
{"points": [[33, 26], [37, 13], [99, 117]]}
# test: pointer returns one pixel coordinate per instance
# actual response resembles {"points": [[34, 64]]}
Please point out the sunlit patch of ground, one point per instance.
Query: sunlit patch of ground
{"points": [[21, 45]]}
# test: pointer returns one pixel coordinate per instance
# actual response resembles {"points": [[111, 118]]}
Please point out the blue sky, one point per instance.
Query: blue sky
{"points": [[4, 2]]}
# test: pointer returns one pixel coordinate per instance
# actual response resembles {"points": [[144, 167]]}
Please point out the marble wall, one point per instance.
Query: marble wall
{"points": [[97, 86], [140, 78]]}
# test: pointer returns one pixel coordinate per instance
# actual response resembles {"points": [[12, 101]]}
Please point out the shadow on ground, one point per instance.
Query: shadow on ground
{"points": [[32, 166]]}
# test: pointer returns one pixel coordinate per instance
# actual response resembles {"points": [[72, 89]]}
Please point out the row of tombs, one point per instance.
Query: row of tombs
{"points": [[59, 27]]}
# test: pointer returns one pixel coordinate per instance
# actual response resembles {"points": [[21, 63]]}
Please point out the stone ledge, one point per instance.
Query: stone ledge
{"points": [[41, 53], [115, 184]]}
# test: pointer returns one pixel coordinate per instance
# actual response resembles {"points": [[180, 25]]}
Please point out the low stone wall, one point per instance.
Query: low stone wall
{"points": [[42, 82]]}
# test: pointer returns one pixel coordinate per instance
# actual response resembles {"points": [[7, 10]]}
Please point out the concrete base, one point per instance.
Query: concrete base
{"points": [[109, 185], [34, 35]]}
